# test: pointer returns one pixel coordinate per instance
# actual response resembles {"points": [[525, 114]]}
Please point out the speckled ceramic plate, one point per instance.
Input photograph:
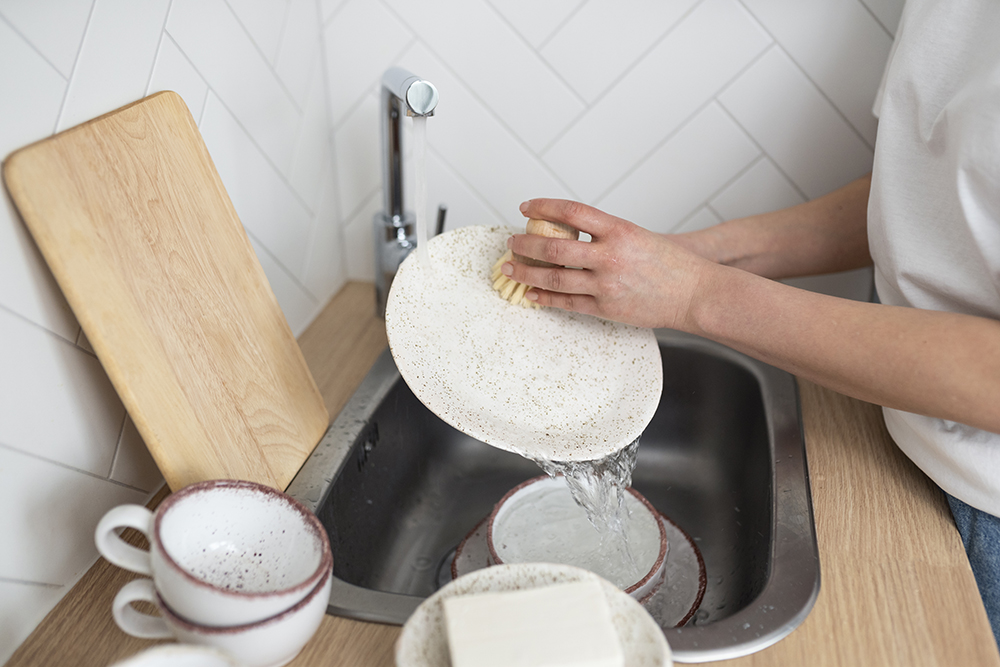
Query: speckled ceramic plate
{"points": [[672, 605], [424, 642], [545, 383]]}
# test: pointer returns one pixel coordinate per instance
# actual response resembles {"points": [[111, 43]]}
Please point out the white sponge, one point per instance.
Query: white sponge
{"points": [[561, 625]]}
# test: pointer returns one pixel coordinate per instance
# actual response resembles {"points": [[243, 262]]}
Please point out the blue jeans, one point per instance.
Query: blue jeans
{"points": [[981, 536]]}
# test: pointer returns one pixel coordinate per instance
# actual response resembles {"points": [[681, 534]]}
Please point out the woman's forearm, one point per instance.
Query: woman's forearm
{"points": [[825, 235], [939, 364]]}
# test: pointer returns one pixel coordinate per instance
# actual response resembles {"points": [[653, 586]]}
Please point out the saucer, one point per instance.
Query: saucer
{"points": [[672, 605], [424, 642], [180, 655]]}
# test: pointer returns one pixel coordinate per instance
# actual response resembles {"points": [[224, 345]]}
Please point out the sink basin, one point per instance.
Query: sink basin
{"points": [[723, 457]]}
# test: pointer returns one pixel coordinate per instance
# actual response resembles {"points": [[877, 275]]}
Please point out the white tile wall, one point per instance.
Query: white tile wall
{"points": [[838, 44], [42, 500], [759, 189], [494, 62], [628, 29], [263, 21], [363, 39], [268, 207], [114, 62], [31, 95], [538, 21], [325, 265], [886, 12], [675, 114], [239, 74], [253, 75], [55, 400], [173, 71], [297, 61], [133, 466], [699, 159], [55, 35], [800, 127], [357, 157], [673, 82]]}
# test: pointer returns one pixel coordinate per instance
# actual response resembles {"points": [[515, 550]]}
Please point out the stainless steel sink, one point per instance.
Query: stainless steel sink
{"points": [[398, 489]]}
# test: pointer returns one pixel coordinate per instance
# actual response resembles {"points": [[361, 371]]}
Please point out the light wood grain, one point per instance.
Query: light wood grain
{"points": [[132, 218], [343, 342], [896, 591]]}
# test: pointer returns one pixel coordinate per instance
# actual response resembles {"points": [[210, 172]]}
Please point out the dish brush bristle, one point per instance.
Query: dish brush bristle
{"points": [[513, 291]]}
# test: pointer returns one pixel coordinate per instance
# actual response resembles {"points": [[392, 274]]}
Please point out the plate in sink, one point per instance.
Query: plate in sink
{"points": [[545, 383], [424, 643], [672, 605]]}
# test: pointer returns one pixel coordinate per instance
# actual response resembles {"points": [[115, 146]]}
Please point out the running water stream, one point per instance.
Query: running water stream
{"points": [[420, 187]]}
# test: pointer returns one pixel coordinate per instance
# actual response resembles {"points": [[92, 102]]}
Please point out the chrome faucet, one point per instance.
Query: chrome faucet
{"points": [[394, 228]]}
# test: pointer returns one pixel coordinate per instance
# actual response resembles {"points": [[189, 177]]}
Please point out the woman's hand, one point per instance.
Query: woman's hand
{"points": [[625, 273]]}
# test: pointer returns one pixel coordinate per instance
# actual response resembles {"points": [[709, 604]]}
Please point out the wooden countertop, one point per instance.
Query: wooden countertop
{"points": [[896, 584]]}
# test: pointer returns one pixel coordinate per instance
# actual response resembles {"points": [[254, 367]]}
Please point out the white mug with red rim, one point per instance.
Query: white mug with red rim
{"points": [[223, 552]]}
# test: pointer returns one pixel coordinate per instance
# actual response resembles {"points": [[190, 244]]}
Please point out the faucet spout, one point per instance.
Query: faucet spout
{"points": [[403, 93]]}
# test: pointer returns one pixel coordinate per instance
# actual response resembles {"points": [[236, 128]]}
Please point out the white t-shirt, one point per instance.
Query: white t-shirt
{"points": [[934, 211]]}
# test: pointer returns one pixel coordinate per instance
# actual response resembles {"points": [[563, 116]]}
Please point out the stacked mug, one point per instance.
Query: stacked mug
{"points": [[234, 565]]}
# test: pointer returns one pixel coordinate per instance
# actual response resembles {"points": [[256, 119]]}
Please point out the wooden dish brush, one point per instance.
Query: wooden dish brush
{"points": [[513, 291]]}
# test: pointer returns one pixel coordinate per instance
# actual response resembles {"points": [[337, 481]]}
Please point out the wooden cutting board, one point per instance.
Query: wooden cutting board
{"points": [[135, 224]]}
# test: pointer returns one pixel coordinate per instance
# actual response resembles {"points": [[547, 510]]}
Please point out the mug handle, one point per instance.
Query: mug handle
{"points": [[135, 622], [114, 548]]}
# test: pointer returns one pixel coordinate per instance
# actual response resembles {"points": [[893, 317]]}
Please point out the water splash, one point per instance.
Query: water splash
{"points": [[599, 487]]}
